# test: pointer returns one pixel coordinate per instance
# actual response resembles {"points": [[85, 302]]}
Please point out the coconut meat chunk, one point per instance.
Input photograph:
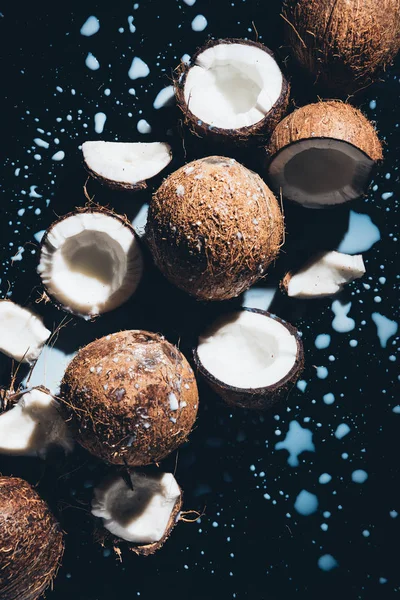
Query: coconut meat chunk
{"points": [[325, 275], [248, 350], [22, 333], [126, 163], [320, 171], [142, 514], [233, 85], [90, 262], [33, 426]]}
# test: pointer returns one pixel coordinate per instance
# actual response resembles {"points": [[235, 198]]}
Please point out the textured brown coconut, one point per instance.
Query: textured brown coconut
{"points": [[213, 228], [256, 134], [261, 398], [329, 120], [31, 542], [120, 392], [343, 44]]}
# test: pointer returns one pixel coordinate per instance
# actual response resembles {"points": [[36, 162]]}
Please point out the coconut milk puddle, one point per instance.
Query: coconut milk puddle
{"points": [[342, 323], [99, 122], [306, 503], [90, 26], [297, 440], [385, 328], [361, 235]]}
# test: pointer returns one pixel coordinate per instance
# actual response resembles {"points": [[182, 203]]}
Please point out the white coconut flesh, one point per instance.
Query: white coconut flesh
{"points": [[248, 350], [233, 85], [326, 275], [33, 426], [22, 333], [126, 163], [90, 262], [140, 515], [320, 171]]}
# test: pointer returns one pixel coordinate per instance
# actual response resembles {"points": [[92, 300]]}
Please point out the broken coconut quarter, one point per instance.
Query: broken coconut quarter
{"points": [[90, 262], [22, 333], [142, 514], [131, 397], [31, 542], [324, 275], [126, 165], [323, 155], [233, 91], [250, 358], [33, 425]]}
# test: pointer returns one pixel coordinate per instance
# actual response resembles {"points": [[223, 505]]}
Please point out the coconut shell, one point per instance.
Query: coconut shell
{"points": [[257, 398], [330, 119], [343, 44], [213, 228], [117, 392], [31, 542], [256, 134]]}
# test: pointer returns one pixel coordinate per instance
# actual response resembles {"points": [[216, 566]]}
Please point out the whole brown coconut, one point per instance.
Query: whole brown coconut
{"points": [[131, 396], [343, 44], [31, 542], [213, 228]]}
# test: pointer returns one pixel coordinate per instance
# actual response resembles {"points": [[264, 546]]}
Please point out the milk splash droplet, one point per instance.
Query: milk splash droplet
{"points": [[297, 440], [138, 69], [91, 62], [342, 430], [361, 235], [327, 562], [90, 26], [342, 323], [99, 121], [322, 341], [306, 503], [359, 476], [143, 126], [164, 98], [386, 328], [199, 23]]}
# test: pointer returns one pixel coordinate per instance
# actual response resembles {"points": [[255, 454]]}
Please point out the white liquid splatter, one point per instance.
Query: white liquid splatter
{"points": [[39, 234], [396, 409], [325, 478], [164, 98], [328, 398], [301, 385], [327, 562], [297, 440], [99, 122], [91, 62], [138, 69], [322, 341], [132, 91], [143, 126], [372, 104], [359, 476], [342, 430], [185, 59], [190, 2], [259, 297], [199, 23], [60, 155], [386, 328], [361, 235], [90, 26], [306, 503], [322, 372], [342, 323], [139, 222], [132, 27], [41, 143], [49, 369], [33, 193]]}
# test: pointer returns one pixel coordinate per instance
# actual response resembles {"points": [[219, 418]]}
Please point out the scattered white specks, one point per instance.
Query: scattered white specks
{"points": [[91, 62], [60, 155], [297, 440], [138, 69], [306, 503], [322, 341], [359, 476], [325, 478], [327, 562], [41, 143], [199, 23], [342, 323], [143, 126], [90, 26], [180, 190], [328, 398], [164, 98], [386, 328], [342, 430], [99, 122]]}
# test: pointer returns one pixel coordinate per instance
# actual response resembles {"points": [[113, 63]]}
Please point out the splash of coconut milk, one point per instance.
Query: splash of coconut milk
{"points": [[99, 122], [49, 369], [342, 323], [385, 328], [91, 62], [259, 297], [297, 440], [164, 98], [138, 69], [199, 23], [306, 503], [361, 235], [90, 26]]}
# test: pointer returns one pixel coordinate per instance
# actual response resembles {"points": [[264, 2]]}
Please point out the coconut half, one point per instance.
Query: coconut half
{"points": [[250, 358], [22, 333], [142, 513], [323, 154], [324, 275], [90, 262], [126, 165], [33, 425], [232, 90], [31, 542]]}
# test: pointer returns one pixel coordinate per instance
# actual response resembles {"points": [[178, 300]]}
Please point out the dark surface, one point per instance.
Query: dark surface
{"points": [[246, 545]]}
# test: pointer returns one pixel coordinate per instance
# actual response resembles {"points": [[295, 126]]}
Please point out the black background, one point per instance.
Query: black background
{"points": [[245, 546]]}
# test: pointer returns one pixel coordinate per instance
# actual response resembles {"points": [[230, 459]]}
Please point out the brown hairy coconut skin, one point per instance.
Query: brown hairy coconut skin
{"points": [[343, 44], [31, 542], [330, 119], [256, 134], [118, 392], [257, 398], [214, 227]]}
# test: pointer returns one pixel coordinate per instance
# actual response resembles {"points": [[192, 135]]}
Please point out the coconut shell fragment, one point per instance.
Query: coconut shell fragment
{"points": [[31, 542], [214, 227], [131, 396], [345, 45]]}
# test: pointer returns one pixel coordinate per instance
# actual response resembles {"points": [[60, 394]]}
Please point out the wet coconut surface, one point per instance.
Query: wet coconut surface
{"points": [[300, 501]]}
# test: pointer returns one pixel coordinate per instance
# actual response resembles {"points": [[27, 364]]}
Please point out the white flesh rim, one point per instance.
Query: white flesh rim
{"points": [[33, 426], [126, 163], [140, 515], [248, 350], [90, 263], [326, 275], [320, 171], [233, 85], [22, 333]]}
